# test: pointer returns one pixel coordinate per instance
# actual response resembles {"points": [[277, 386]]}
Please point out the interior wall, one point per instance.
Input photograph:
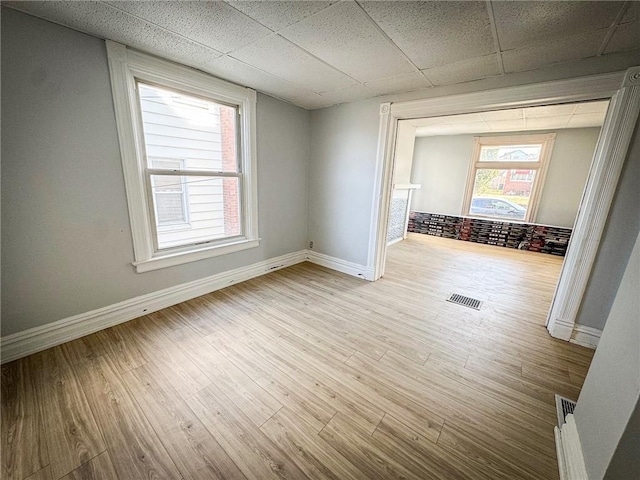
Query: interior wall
{"points": [[441, 165], [66, 241], [611, 390], [621, 229]]}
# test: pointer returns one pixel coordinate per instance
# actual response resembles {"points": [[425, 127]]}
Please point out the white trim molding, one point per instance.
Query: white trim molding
{"points": [[569, 451], [350, 268], [622, 88], [37, 339], [585, 336], [126, 68]]}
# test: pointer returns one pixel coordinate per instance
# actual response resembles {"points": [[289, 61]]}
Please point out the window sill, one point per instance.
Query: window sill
{"points": [[173, 259]]}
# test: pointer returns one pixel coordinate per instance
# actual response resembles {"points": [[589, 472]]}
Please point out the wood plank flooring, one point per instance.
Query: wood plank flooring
{"points": [[309, 373]]}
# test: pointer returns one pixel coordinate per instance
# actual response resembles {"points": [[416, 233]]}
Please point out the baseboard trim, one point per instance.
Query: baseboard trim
{"points": [[569, 451], [37, 339], [586, 336], [355, 269]]}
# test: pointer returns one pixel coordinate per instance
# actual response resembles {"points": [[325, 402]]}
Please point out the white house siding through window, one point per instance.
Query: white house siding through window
{"points": [[182, 134]]}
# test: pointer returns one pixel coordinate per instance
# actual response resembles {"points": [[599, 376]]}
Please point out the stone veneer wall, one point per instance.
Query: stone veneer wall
{"points": [[524, 236]]}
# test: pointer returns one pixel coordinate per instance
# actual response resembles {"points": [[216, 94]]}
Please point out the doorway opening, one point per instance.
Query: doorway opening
{"points": [[620, 89]]}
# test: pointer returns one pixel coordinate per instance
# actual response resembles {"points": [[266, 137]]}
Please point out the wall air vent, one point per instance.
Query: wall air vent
{"points": [[564, 407]]}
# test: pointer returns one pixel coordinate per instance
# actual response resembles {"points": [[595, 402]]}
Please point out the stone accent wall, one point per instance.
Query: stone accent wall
{"points": [[524, 236], [397, 217]]}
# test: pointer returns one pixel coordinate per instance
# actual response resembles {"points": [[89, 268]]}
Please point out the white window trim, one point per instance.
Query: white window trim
{"points": [[541, 166], [127, 65]]}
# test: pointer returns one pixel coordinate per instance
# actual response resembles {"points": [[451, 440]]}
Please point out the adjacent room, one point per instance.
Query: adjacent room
{"points": [[231, 232], [510, 179]]}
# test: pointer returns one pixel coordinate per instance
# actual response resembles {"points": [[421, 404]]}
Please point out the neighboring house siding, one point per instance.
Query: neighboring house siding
{"points": [[199, 146]]}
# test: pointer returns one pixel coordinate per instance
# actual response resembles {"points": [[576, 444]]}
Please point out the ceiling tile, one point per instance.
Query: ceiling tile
{"points": [[407, 82], [625, 37], [464, 70], [464, 118], [343, 36], [349, 94], [100, 20], [280, 57], [587, 120], [521, 24], [549, 111], [506, 125], [570, 48], [559, 121], [435, 33], [632, 13], [214, 24], [512, 114], [243, 74], [591, 107], [277, 15]]}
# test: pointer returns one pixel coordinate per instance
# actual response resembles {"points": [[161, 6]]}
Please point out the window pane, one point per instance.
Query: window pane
{"points": [[197, 133], [204, 209], [510, 153], [502, 194]]}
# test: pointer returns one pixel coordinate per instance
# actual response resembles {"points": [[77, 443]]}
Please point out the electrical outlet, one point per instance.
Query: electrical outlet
{"points": [[310, 244]]}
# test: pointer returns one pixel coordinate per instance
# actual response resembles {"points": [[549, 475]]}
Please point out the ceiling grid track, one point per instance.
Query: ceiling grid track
{"points": [[613, 27], [388, 39], [496, 39]]}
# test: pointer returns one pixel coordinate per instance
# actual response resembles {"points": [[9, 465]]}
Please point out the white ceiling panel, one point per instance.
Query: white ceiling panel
{"points": [[214, 24], [521, 24], [435, 33], [591, 107], [241, 73], [280, 57], [343, 36], [356, 91], [277, 15], [515, 119], [550, 111], [625, 37], [464, 70], [587, 120], [347, 50], [632, 13], [512, 114], [570, 48], [506, 125], [101, 20], [407, 82], [559, 121]]}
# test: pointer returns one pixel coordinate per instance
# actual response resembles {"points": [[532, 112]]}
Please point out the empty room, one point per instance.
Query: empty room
{"points": [[320, 240]]}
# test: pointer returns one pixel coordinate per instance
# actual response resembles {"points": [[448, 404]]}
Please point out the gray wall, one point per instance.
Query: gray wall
{"points": [[441, 166], [619, 235], [341, 175], [612, 388], [66, 240], [343, 156]]}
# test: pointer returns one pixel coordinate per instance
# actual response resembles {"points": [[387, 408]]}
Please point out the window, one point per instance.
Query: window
{"points": [[187, 142], [506, 176]]}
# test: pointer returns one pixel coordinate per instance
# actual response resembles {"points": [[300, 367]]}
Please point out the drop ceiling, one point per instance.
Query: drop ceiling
{"points": [[319, 53], [551, 117]]}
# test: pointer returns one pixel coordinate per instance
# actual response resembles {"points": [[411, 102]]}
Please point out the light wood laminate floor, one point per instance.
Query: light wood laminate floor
{"points": [[309, 373]]}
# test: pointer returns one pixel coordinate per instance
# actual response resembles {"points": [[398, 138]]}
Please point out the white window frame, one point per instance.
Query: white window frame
{"points": [[541, 166], [127, 66]]}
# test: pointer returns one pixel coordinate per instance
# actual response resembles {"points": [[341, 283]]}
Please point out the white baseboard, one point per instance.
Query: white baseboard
{"points": [[569, 451], [36, 339], [340, 265], [586, 336]]}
